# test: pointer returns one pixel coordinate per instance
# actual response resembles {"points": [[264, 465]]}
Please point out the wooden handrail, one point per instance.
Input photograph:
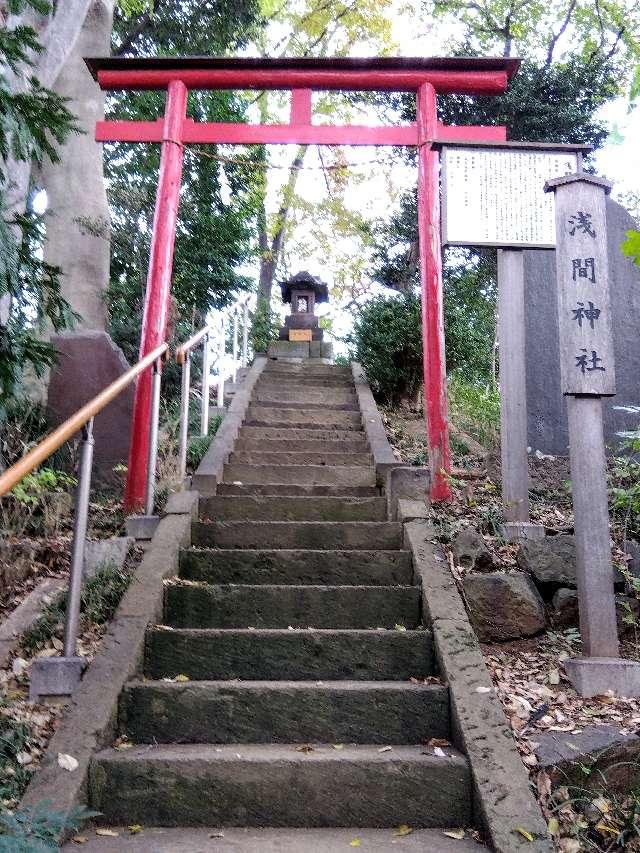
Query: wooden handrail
{"points": [[185, 348], [57, 438]]}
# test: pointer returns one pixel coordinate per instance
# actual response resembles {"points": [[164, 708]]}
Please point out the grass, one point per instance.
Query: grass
{"points": [[101, 595]]}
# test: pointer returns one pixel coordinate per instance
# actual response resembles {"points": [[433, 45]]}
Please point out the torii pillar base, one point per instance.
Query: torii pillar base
{"points": [[599, 676]]}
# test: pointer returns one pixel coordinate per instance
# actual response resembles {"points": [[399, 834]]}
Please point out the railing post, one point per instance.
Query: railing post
{"points": [[79, 541], [184, 418], [153, 438], [221, 353], [204, 414], [235, 343], [245, 334]]}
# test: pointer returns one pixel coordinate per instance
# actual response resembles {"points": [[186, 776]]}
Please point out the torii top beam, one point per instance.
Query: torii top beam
{"points": [[462, 75]]}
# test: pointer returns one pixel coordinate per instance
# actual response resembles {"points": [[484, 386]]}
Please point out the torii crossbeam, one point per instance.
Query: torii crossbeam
{"points": [[176, 75]]}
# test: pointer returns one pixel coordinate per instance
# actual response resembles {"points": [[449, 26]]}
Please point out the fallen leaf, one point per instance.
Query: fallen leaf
{"points": [[554, 676], [483, 689], [67, 762], [402, 830], [400, 628], [385, 749], [182, 677], [355, 843], [216, 835], [458, 834], [306, 747], [24, 758], [438, 741], [338, 746], [107, 833], [553, 826], [135, 828], [439, 752], [524, 833], [18, 666], [79, 839]]}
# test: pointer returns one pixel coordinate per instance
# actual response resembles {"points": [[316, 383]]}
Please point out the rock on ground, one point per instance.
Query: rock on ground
{"points": [[504, 606]]}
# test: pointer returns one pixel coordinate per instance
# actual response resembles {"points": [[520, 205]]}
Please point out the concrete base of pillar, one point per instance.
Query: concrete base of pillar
{"points": [[596, 676], [55, 677], [142, 527], [513, 531]]}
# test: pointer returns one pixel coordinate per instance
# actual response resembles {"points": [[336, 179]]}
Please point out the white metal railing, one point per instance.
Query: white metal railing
{"points": [[213, 338]]}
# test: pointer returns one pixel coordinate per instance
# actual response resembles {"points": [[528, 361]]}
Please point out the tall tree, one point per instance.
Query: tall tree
{"points": [[33, 122], [576, 58], [221, 190]]}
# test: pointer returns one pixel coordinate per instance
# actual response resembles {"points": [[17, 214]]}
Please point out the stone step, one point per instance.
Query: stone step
{"points": [[307, 405], [325, 535], [307, 369], [303, 394], [287, 654], [290, 434], [202, 605], [302, 418], [154, 839], [279, 785], [288, 508], [273, 379], [257, 457], [300, 445], [296, 489], [296, 566], [312, 475], [383, 712]]}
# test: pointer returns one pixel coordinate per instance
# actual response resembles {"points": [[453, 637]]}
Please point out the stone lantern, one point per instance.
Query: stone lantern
{"points": [[302, 292]]}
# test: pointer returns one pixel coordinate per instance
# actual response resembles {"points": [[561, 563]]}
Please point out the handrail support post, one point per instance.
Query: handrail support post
{"points": [[221, 354], [245, 334], [235, 344], [153, 438], [204, 415], [184, 419]]}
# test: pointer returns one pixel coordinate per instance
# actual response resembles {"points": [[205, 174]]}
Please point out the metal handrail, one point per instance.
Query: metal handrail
{"points": [[12, 476], [60, 676], [183, 353], [184, 349]]}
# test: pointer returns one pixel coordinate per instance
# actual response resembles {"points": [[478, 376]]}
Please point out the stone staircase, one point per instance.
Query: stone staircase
{"points": [[292, 684]]}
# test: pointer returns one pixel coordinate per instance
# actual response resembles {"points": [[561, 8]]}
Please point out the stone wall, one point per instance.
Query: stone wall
{"points": [[547, 414]]}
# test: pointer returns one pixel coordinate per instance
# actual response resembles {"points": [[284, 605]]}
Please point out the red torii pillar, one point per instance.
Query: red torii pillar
{"points": [[426, 77]]}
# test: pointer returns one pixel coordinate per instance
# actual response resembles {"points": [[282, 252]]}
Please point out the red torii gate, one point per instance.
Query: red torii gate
{"points": [[176, 75]]}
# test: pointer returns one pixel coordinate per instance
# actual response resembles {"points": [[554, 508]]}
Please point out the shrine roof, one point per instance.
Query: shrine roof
{"points": [[304, 280]]}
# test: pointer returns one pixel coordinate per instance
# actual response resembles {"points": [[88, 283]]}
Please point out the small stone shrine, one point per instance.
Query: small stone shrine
{"points": [[302, 292]]}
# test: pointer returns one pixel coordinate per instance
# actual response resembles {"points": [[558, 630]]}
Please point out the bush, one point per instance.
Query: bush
{"points": [[38, 504], [265, 325], [474, 408], [387, 341]]}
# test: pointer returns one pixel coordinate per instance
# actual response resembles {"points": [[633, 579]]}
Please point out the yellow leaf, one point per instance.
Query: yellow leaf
{"points": [[355, 843], [107, 833], [403, 829], [182, 677], [603, 827], [338, 746], [135, 828], [554, 826], [458, 834], [79, 839], [524, 833]]}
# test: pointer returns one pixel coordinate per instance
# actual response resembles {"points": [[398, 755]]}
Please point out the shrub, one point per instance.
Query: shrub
{"points": [[474, 408], [264, 326], [37, 504], [387, 341]]}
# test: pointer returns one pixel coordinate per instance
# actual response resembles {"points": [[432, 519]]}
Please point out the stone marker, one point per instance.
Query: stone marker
{"points": [[301, 336], [546, 406], [587, 373]]}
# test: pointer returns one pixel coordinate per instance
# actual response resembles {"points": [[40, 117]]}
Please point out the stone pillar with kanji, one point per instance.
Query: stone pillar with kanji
{"points": [[587, 372]]}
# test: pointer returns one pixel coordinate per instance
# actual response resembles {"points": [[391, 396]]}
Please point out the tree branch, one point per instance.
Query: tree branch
{"points": [[556, 36]]}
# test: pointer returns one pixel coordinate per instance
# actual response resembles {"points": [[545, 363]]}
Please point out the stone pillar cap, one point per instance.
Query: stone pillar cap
{"points": [[579, 177]]}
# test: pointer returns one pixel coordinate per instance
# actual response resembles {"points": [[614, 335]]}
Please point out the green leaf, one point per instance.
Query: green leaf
{"points": [[631, 246]]}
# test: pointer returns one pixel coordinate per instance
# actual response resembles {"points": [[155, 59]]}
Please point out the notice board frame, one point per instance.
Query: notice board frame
{"points": [[544, 147]]}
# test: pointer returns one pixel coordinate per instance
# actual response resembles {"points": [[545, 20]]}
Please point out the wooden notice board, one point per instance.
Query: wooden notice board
{"points": [[300, 335]]}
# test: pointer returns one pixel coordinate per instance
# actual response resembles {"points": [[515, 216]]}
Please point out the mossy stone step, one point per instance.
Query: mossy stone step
{"points": [[382, 712], [328, 535], [191, 605], [292, 508]]}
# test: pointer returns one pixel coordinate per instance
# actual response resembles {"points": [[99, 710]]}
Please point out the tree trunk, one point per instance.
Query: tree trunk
{"points": [[78, 225], [271, 248]]}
